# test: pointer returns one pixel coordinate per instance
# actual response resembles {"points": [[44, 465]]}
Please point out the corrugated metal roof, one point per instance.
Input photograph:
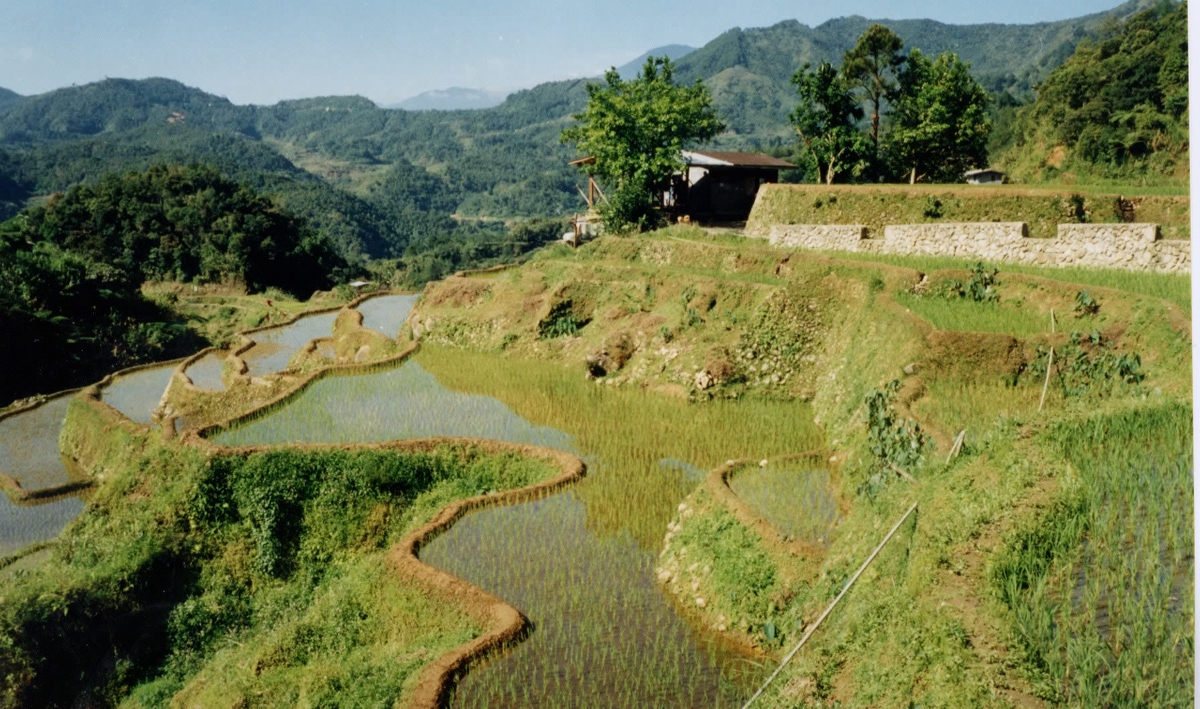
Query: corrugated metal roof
{"points": [[733, 159]]}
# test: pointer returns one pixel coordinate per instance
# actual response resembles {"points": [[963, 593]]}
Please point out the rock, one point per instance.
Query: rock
{"points": [[762, 463], [912, 368], [700, 602], [703, 380]]}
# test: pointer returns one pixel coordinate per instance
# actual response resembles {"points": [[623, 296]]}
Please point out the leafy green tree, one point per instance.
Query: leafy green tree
{"points": [[637, 130], [939, 120], [871, 65], [826, 121], [185, 224]]}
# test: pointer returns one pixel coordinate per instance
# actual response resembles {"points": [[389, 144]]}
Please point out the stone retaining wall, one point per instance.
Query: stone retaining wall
{"points": [[1127, 246]]}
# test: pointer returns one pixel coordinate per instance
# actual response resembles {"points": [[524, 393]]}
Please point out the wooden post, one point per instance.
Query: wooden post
{"points": [[1049, 364]]}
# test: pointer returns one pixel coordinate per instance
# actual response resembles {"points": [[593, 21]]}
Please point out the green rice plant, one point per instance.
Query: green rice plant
{"points": [[1173, 287], [967, 316], [1100, 587], [595, 604]]}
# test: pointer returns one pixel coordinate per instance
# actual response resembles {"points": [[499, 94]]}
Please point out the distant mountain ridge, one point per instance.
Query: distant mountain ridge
{"points": [[674, 52], [503, 161], [8, 97], [454, 98]]}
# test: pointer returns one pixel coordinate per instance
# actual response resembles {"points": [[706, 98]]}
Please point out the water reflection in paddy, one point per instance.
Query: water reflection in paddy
{"points": [[29, 445], [386, 314], [22, 525], [206, 372], [29, 453], [578, 564], [274, 348], [137, 395]]}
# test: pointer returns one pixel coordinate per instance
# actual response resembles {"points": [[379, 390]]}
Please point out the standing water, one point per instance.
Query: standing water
{"points": [[274, 348], [386, 314], [29, 453], [206, 372], [137, 395], [579, 564]]}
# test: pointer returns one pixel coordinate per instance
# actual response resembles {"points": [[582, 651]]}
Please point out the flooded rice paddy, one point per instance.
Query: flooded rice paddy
{"points": [[137, 395], [274, 348], [580, 563], [22, 525], [29, 453], [29, 445], [386, 314], [206, 371], [795, 498]]}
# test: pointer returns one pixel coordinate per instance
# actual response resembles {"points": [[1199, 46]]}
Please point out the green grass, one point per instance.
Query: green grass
{"points": [[1042, 208], [967, 316]]}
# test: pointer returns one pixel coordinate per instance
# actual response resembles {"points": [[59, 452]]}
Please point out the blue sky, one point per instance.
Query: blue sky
{"points": [[264, 51]]}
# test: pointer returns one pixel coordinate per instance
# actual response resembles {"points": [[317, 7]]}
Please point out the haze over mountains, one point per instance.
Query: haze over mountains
{"points": [[353, 167]]}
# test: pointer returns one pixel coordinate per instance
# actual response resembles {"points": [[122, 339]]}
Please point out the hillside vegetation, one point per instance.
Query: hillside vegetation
{"points": [[71, 271], [1115, 111]]}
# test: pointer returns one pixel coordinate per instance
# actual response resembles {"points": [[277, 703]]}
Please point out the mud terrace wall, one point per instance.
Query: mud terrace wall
{"points": [[1129, 246]]}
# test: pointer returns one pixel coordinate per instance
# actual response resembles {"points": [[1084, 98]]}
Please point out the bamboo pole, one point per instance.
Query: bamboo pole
{"points": [[1049, 364], [808, 633], [956, 447]]}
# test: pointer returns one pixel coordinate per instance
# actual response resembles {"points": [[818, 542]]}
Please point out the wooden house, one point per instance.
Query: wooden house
{"points": [[720, 185]]}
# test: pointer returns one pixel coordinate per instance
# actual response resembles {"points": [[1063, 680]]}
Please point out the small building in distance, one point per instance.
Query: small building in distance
{"points": [[720, 185], [984, 177]]}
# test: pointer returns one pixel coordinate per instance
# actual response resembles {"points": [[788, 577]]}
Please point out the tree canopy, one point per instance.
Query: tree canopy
{"points": [[939, 120], [871, 66], [637, 130], [184, 224], [826, 123]]}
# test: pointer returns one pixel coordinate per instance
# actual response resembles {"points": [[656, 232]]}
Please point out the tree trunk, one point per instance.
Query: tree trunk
{"points": [[912, 179], [875, 125]]}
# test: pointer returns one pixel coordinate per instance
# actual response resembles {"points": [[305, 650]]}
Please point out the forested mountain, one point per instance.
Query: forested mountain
{"points": [[1116, 109], [379, 181], [8, 97]]}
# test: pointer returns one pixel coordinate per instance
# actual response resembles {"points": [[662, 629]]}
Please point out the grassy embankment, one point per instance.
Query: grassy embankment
{"points": [[1042, 208], [937, 620], [226, 577]]}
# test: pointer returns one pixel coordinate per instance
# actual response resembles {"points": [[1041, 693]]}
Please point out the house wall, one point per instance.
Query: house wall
{"points": [[1128, 246]]}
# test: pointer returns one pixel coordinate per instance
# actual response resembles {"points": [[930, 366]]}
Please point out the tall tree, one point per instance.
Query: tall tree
{"points": [[939, 120], [825, 122], [872, 66], [637, 130]]}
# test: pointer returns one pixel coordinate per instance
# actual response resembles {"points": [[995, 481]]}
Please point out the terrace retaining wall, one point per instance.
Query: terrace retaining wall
{"points": [[1128, 246]]}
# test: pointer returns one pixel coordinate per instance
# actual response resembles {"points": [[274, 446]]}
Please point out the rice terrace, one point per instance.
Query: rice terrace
{"points": [[709, 383]]}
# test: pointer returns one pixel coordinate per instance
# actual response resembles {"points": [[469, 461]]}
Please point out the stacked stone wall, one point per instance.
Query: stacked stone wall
{"points": [[1127, 246]]}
